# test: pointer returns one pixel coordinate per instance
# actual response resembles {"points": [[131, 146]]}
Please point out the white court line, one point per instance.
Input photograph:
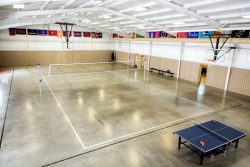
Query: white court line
{"points": [[124, 137], [96, 63], [181, 97], [88, 73], [96, 97], [64, 114]]}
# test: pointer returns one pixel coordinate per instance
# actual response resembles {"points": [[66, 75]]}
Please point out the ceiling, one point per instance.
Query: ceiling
{"points": [[125, 16]]}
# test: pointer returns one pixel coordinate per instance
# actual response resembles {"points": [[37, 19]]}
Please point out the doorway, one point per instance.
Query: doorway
{"points": [[203, 73]]}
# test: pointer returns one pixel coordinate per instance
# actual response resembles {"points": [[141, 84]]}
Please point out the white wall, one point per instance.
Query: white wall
{"points": [[193, 52], [35, 42]]}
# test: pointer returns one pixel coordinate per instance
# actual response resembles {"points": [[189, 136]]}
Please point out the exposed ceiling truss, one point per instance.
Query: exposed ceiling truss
{"points": [[125, 16]]}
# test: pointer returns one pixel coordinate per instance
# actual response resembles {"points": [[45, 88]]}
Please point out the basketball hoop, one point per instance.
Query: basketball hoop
{"points": [[67, 32], [210, 60]]}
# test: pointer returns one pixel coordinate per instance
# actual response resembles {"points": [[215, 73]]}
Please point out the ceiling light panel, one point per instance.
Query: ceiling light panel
{"points": [[152, 12], [139, 6], [166, 17], [225, 8]]}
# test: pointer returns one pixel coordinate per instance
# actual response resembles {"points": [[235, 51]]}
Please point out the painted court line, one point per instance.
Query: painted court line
{"points": [[96, 97], [89, 73], [134, 134], [79, 139]]}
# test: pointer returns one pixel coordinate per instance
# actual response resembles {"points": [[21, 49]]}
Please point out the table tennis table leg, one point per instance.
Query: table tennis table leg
{"points": [[236, 144], [201, 158], [179, 143]]}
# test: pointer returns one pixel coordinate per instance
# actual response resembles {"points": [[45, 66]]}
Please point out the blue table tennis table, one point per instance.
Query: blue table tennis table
{"points": [[208, 138]]}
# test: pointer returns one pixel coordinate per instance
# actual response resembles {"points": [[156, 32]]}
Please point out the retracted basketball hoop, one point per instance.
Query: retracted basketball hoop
{"points": [[217, 48], [66, 32]]}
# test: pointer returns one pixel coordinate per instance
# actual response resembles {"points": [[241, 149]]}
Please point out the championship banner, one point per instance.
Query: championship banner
{"points": [[69, 32], [32, 32], [157, 34], [93, 35], [100, 35], [86, 34], [115, 35], [163, 34], [241, 34], [206, 34], [152, 34], [12, 31], [77, 34], [216, 34], [97, 35], [133, 35], [42, 32], [20, 31], [182, 35], [52, 32], [193, 35], [170, 36]]}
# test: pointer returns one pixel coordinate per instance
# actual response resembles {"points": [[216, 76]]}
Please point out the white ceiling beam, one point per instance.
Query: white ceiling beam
{"points": [[136, 19], [117, 3], [226, 8], [44, 5], [146, 13], [235, 21], [67, 4], [105, 3], [11, 2], [190, 13], [202, 3], [14, 15]]}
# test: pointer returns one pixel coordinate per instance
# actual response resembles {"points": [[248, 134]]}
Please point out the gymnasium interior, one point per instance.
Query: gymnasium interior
{"points": [[124, 83]]}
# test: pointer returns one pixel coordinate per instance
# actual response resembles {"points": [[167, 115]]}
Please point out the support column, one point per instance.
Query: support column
{"points": [[129, 49], [179, 60], [229, 68]]}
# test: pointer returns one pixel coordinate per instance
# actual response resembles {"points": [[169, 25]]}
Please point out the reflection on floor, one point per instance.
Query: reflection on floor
{"points": [[107, 113]]}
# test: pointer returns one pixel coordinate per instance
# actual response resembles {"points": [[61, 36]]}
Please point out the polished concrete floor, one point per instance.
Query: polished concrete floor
{"points": [[112, 118]]}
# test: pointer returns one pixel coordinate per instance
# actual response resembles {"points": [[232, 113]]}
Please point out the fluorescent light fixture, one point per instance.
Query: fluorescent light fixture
{"points": [[94, 23], [139, 6], [140, 9], [153, 12], [104, 25], [105, 16], [246, 16], [179, 23], [127, 22], [18, 6], [166, 17], [116, 19]]}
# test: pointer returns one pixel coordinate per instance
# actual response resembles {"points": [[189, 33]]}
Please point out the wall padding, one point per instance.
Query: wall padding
{"points": [[190, 71], [12, 58], [216, 76], [239, 81]]}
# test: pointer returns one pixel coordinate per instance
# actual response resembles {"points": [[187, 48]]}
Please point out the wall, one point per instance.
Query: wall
{"points": [[12, 58], [193, 55], [239, 81], [216, 76], [50, 43]]}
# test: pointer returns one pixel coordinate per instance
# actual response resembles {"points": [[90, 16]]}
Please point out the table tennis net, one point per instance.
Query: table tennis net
{"points": [[93, 67], [214, 132]]}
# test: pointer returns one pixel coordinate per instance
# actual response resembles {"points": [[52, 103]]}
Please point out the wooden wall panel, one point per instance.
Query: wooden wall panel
{"points": [[169, 64], [13, 58], [155, 62], [239, 81], [121, 56], [190, 71], [216, 76]]}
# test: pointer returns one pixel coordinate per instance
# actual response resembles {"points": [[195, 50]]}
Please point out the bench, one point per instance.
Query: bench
{"points": [[168, 72]]}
